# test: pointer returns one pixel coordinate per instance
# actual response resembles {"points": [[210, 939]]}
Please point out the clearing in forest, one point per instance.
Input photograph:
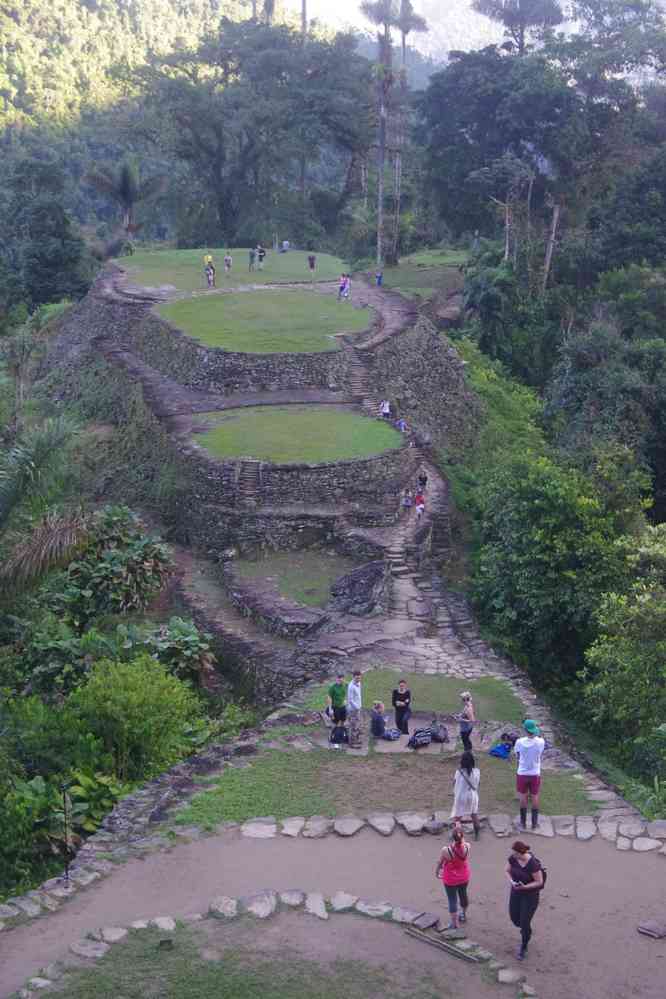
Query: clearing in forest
{"points": [[304, 576], [268, 322], [422, 275], [295, 434], [185, 268]]}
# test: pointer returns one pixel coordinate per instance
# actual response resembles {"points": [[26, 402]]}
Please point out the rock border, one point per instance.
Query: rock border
{"points": [[266, 903]]}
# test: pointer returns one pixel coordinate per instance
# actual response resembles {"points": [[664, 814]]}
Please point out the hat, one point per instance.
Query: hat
{"points": [[531, 726]]}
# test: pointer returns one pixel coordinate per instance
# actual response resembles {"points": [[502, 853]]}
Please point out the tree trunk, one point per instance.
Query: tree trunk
{"points": [[550, 246], [304, 18], [254, 10], [507, 230], [381, 160], [364, 182], [528, 232]]}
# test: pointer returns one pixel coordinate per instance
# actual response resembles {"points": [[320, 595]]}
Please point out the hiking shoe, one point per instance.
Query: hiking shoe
{"points": [[462, 918], [522, 954]]}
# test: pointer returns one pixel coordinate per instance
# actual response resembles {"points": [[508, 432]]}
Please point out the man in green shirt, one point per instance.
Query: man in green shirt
{"points": [[337, 698]]}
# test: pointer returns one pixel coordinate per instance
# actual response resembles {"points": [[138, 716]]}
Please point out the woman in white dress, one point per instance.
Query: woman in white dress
{"points": [[466, 791]]}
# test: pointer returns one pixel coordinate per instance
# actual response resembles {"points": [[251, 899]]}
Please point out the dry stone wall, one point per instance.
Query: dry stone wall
{"points": [[210, 369], [423, 377]]}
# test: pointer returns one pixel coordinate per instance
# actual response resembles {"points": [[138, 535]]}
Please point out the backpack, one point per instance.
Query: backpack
{"points": [[544, 872], [438, 731], [391, 734], [502, 750], [339, 735], [422, 737]]}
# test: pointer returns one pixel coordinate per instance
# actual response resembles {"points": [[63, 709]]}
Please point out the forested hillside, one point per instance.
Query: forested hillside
{"points": [[56, 58]]}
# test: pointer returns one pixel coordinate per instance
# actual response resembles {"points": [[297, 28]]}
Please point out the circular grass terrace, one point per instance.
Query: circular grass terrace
{"points": [[185, 268], [296, 434], [268, 322]]}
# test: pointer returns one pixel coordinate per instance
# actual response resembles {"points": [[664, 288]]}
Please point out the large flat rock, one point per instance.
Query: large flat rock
{"points": [[657, 829], [342, 901], [348, 825], [259, 829], [382, 822], [412, 822], [224, 907], [644, 844], [261, 905], [317, 827], [564, 825], [315, 905], [377, 910], [292, 826], [500, 823], [91, 949], [586, 827]]}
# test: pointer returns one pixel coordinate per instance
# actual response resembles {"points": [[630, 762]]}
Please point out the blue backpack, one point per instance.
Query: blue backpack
{"points": [[501, 750], [391, 734]]}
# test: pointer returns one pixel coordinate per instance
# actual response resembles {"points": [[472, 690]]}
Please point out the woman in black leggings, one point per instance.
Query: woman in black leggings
{"points": [[526, 877]]}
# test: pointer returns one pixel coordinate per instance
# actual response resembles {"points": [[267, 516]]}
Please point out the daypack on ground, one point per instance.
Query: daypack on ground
{"points": [[391, 734], [438, 731], [339, 736], [422, 737]]}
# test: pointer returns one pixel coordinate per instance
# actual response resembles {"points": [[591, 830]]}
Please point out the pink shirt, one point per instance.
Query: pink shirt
{"points": [[455, 870]]}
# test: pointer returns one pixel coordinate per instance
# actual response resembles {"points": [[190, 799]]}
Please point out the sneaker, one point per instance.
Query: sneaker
{"points": [[462, 918], [522, 954]]}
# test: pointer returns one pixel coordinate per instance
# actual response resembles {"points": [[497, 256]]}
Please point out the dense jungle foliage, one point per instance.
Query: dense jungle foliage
{"points": [[213, 122]]}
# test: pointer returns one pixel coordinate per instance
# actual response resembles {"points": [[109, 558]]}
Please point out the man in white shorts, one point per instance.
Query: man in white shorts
{"points": [[529, 751]]}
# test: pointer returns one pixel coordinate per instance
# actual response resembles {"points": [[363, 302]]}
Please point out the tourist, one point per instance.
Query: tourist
{"points": [[529, 751], [341, 286], [261, 253], [401, 700], [346, 290], [466, 720], [385, 409], [312, 264], [354, 708], [466, 791], [407, 500], [453, 869], [422, 481], [377, 720], [419, 503], [401, 425], [337, 697], [252, 258], [379, 278], [209, 270], [228, 262], [285, 246], [525, 875]]}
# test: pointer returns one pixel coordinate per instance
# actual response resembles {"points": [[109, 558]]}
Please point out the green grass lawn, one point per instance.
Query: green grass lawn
{"points": [[492, 698], [423, 281], [436, 258], [293, 434], [185, 269], [303, 576], [216, 960], [267, 322], [321, 782]]}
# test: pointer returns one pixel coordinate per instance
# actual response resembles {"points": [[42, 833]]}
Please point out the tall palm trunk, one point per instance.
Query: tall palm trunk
{"points": [[397, 164], [304, 18]]}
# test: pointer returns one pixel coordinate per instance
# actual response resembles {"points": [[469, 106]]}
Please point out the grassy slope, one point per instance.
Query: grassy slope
{"points": [[421, 275], [320, 782], [138, 968], [304, 576], [298, 434], [185, 268], [267, 322]]}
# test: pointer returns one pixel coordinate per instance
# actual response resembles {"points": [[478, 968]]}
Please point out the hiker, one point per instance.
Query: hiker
{"points": [[419, 503], [453, 869], [529, 750], [209, 269], [407, 500], [401, 425], [379, 278], [337, 697], [252, 257], [228, 262], [401, 700], [377, 720], [285, 246], [354, 708], [466, 791], [525, 875], [346, 291], [261, 253], [466, 720], [422, 481], [385, 409], [312, 264], [341, 286]]}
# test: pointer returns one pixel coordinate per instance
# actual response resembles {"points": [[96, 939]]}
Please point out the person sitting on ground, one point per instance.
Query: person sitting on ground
{"points": [[377, 720], [466, 792], [337, 699], [453, 868]]}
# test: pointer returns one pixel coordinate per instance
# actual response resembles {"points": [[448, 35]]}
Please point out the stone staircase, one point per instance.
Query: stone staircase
{"points": [[248, 482]]}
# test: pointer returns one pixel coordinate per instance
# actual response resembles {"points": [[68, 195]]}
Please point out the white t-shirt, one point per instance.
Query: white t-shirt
{"points": [[529, 751]]}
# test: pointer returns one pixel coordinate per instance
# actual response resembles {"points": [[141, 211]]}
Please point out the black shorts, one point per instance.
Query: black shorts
{"points": [[340, 714]]}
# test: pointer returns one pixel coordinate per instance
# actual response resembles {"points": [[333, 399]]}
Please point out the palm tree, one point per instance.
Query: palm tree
{"points": [[383, 14], [408, 21], [304, 18], [269, 11], [125, 188], [16, 354], [25, 473]]}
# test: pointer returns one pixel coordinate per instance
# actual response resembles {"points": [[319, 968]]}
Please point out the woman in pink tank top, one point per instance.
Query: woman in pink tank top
{"points": [[453, 868]]}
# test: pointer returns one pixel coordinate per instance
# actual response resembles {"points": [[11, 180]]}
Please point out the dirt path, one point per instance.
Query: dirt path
{"points": [[585, 942]]}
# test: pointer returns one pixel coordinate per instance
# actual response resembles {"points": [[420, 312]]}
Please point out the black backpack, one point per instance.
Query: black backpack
{"points": [[544, 872], [422, 737], [438, 731], [339, 735]]}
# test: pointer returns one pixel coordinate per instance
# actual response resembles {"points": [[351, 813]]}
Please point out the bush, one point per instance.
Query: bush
{"points": [[119, 570], [139, 711], [182, 648], [48, 741]]}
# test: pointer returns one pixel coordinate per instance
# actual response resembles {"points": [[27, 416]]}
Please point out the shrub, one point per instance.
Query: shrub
{"points": [[182, 648], [48, 741], [119, 571], [139, 711]]}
